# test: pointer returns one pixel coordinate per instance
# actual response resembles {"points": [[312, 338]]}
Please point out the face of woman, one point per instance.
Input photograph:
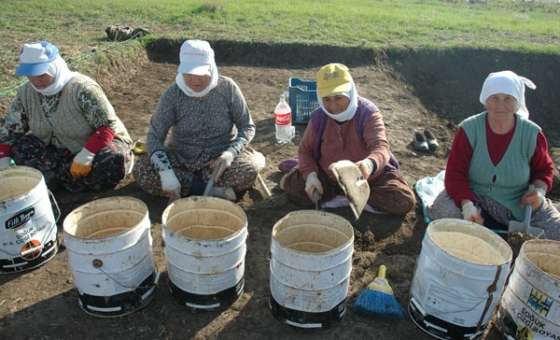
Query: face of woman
{"points": [[197, 83], [41, 81], [336, 104], [502, 104]]}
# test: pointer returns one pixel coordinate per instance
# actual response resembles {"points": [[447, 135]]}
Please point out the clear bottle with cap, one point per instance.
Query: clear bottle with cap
{"points": [[283, 121]]}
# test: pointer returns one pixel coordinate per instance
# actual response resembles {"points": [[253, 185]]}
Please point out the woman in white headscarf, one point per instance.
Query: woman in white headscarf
{"points": [[209, 125], [61, 123], [346, 127], [499, 163]]}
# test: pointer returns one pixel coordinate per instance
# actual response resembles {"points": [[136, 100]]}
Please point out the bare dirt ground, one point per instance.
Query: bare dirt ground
{"points": [[42, 304]]}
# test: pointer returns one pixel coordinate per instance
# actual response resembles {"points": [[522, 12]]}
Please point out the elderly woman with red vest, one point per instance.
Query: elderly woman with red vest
{"points": [[499, 163], [61, 123], [346, 127]]}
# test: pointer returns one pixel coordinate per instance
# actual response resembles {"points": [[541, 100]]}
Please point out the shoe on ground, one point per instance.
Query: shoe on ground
{"points": [[420, 143], [431, 139]]}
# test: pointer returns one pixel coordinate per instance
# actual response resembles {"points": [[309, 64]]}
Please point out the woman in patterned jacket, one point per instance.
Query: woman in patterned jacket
{"points": [[210, 128], [61, 123]]}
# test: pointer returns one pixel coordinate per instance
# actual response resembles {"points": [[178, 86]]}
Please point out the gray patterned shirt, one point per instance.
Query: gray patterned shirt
{"points": [[201, 128]]}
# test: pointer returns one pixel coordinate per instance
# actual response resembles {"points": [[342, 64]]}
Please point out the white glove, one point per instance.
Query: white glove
{"points": [[170, 185], [223, 162], [366, 166], [471, 213], [5, 163], [312, 185]]}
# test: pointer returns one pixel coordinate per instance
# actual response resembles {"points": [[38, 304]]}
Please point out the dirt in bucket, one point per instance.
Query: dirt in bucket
{"points": [[106, 224], [205, 232], [467, 247], [205, 224], [312, 238]]}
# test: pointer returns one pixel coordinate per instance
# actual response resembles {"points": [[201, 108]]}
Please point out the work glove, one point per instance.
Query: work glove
{"points": [[534, 196], [170, 185], [82, 163], [472, 213], [6, 162], [366, 166], [221, 163], [313, 187]]}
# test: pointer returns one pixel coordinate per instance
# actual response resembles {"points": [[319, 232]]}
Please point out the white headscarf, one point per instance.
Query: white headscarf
{"points": [[350, 110], [196, 57], [507, 82], [61, 74], [180, 81]]}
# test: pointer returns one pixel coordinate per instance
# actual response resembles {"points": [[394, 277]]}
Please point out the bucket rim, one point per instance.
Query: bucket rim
{"points": [[201, 199], [346, 244], [492, 235], [142, 204]]}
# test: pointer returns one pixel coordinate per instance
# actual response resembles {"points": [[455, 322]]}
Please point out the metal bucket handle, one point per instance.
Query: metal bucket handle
{"points": [[98, 264], [54, 204]]}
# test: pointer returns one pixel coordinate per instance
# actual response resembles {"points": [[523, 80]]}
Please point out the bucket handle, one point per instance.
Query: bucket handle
{"points": [[98, 264], [54, 204]]}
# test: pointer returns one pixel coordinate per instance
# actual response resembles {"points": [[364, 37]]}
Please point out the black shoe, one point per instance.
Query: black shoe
{"points": [[432, 141], [420, 143]]}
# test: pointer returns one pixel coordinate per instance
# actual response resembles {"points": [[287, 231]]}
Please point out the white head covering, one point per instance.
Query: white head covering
{"points": [[196, 57], [58, 69], [507, 82], [350, 110]]}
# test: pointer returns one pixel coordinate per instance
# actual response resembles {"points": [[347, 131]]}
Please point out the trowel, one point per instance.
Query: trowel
{"points": [[525, 226], [353, 183]]}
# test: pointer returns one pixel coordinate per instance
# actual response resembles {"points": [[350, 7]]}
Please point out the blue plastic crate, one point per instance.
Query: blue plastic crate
{"points": [[303, 99]]}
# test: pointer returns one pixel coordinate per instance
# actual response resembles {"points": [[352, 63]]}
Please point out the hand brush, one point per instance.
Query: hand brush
{"points": [[378, 298]]}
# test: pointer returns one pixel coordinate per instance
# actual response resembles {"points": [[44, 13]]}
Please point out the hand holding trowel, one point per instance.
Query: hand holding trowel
{"points": [[353, 183], [219, 168], [525, 226]]}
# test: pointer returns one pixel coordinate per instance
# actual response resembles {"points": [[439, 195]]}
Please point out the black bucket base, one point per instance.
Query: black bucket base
{"points": [[441, 329], [19, 264], [211, 302], [120, 304], [300, 319]]}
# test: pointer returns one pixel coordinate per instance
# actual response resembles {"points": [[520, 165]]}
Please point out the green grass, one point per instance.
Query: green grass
{"points": [[77, 26]]}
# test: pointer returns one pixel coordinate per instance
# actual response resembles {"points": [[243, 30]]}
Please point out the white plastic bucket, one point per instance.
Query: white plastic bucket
{"points": [[310, 268], [27, 223], [530, 306], [205, 250], [459, 278], [110, 255]]}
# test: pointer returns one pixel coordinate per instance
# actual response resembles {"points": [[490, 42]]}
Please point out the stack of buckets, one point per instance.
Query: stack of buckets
{"points": [[310, 268], [205, 246], [110, 255]]}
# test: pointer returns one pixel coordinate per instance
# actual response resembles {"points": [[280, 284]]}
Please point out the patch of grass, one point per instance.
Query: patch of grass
{"points": [[77, 26]]}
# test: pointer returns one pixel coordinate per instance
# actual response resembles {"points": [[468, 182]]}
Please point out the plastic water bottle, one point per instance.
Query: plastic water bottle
{"points": [[283, 121]]}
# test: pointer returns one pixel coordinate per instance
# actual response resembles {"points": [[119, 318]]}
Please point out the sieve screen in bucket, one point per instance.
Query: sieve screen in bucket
{"points": [[15, 186], [467, 247], [311, 238], [205, 224], [548, 263], [106, 223]]}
